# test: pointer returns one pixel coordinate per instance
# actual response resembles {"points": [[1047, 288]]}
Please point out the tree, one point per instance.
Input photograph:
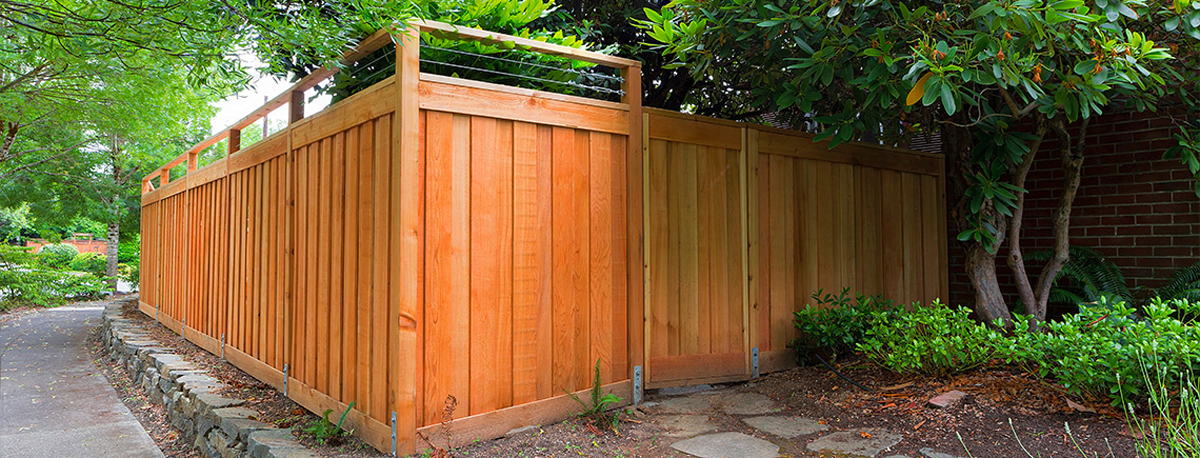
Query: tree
{"points": [[994, 77]]}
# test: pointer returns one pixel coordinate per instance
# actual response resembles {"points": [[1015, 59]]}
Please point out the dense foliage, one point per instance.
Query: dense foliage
{"points": [[837, 323], [994, 78], [929, 339], [92, 263], [1109, 350], [58, 255], [24, 281]]}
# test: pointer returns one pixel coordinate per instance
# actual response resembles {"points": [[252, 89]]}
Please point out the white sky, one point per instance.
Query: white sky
{"points": [[237, 106]]}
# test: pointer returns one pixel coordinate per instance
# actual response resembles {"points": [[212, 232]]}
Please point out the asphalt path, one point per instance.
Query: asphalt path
{"points": [[54, 402]]}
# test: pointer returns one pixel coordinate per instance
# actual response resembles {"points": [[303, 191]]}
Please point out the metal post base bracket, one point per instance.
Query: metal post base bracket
{"points": [[754, 363], [637, 385]]}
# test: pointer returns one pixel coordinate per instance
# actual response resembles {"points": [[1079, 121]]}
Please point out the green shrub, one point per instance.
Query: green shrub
{"points": [[34, 286], [129, 250], [932, 340], [24, 281], [836, 324], [1104, 350], [57, 256], [93, 263], [131, 272]]}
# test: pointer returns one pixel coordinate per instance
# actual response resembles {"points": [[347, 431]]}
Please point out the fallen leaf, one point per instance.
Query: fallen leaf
{"points": [[1079, 407], [919, 425], [896, 387]]}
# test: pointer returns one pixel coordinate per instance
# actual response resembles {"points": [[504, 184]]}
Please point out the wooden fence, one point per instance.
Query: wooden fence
{"points": [[433, 237]]}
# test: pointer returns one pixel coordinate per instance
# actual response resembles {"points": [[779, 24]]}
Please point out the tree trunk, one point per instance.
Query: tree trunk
{"points": [[989, 302], [980, 262], [1060, 220], [1016, 260], [114, 242]]}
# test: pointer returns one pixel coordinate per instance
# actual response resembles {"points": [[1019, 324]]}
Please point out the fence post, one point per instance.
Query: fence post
{"points": [[235, 141], [296, 107], [407, 215], [635, 265]]}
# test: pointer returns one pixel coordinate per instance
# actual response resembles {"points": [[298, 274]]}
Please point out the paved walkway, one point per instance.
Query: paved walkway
{"points": [[54, 402]]}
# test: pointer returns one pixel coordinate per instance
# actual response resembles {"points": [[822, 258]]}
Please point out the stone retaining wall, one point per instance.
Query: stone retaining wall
{"points": [[222, 426]]}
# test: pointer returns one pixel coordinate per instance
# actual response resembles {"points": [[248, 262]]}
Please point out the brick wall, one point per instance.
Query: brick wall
{"points": [[84, 246], [1132, 206]]}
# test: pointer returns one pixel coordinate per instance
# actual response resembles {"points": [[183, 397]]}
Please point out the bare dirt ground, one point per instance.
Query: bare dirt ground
{"points": [[1004, 411]]}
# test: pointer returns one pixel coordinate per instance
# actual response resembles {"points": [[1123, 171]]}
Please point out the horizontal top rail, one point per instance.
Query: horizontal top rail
{"points": [[377, 40]]}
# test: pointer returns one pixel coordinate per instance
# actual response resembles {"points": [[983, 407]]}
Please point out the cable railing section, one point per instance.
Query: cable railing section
{"points": [[580, 82]]}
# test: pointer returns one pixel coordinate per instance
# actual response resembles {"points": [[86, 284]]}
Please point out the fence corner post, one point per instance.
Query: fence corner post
{"points": [[407, 220]]}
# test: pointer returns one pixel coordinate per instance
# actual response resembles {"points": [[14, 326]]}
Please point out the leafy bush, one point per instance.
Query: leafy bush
{"points": [[836, 323], [58, 255], [23, 281], [1103, 350], [131, 272], [93, 263], [930, 340], [129, 250]]}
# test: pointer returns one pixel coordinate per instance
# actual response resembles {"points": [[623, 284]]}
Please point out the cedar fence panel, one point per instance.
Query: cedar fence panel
{"points": [[433, 237]]}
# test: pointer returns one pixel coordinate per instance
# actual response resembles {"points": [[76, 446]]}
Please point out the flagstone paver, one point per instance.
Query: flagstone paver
{"points": [[747, 404], [727, 445], [785, 427], [684, 404], [859, 442], [686, 425]]}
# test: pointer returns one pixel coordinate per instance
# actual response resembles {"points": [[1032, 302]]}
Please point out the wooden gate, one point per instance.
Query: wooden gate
{"points": [[744, 223], [697, 320]]}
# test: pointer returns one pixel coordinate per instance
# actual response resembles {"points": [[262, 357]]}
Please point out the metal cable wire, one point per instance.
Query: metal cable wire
{"points": [[599, 89], [531, 64]]}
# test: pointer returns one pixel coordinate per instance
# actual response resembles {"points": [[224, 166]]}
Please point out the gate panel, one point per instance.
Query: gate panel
{"points": [[696, 253]]}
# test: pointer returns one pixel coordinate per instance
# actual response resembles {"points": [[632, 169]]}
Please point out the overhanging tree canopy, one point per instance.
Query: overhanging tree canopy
{"points": [[995, 77]]}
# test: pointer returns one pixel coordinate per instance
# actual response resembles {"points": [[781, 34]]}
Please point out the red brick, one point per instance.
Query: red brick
{"points": [[1101, 231], [1185, 262], [1135, 188], [1119, 220], [1172, 230], [1135, 251], [1153, 198], [1190, 218], [1186, 240], [1154, 262], [1137, 272], [1134, 230], [1154, 219], [1152, 241], [1170, 251]]}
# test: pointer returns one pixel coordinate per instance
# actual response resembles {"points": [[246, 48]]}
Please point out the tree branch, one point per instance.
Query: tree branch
{"points": [[1016, 261]]}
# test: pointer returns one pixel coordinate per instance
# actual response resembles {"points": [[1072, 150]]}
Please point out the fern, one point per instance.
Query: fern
{"points": [[1091, 274], [1184, 284]]}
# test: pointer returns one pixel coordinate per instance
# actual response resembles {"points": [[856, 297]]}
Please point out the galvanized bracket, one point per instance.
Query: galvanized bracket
{"points": [[754, 363], [285, 378], [184, 321], [393, 433], [222, 345], [637, 385]]}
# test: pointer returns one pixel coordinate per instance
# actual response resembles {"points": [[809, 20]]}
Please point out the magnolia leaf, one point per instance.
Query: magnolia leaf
{"points": [[918, 90]]}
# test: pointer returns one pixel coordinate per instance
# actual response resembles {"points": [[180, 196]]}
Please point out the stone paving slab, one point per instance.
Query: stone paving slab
{"points": [[54, 402], [747, 404], [686, 425], [785, 427], [727, 445], [685, 404], [859, 442]]}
